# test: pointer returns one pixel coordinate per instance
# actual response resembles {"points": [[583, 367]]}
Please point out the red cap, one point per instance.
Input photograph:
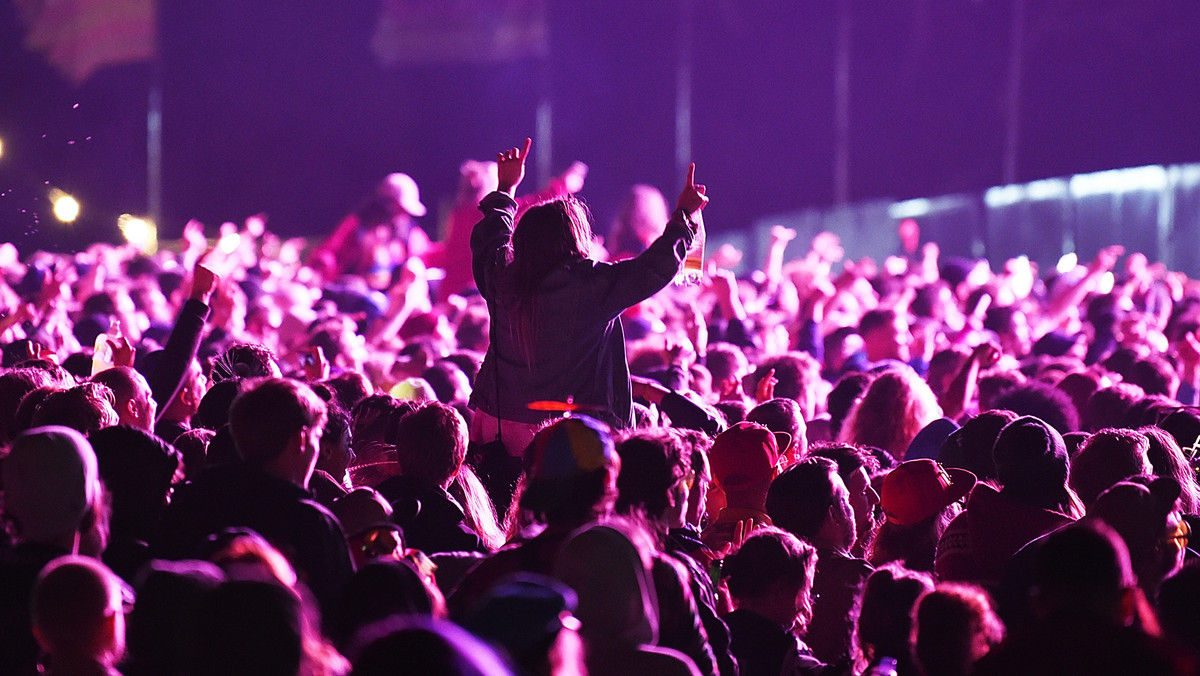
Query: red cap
{"points": [[744, 456], [917, 489]]}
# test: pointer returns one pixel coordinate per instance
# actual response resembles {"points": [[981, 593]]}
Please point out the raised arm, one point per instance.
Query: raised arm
{"points": [[510, 168]]}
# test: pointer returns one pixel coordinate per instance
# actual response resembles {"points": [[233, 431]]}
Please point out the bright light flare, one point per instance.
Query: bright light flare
{"points": [[1067, 263], [1, 147], [229, 243], [142, 233], [66, 207]]}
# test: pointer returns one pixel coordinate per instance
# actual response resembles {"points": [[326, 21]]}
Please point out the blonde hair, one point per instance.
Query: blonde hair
{"points": [[894, 408]]}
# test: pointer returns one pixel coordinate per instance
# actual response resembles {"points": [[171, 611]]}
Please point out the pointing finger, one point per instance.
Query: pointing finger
{"points": [[691, 175], [525, 150]]}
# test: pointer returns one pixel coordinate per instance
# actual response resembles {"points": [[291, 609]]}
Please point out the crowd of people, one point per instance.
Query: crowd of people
{"points": [[527, 449]]}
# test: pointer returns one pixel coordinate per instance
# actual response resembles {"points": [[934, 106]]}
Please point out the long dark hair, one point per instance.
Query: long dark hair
{"points": [[548, 235]]}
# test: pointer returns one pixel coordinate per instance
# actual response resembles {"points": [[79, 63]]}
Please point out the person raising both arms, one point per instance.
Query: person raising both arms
{"points": [[555, 311]]}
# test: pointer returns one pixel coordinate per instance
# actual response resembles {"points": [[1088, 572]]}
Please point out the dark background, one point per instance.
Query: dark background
{"points": [[280, 107]]}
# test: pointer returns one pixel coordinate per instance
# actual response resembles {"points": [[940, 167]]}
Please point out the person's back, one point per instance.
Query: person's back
{"points": [[276, 428]]}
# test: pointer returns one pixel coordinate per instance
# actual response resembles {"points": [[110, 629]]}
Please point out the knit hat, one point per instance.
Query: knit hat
{"points": [[917, 489], [570, 447], [1031, 457], [51, 479], [746, 456]]}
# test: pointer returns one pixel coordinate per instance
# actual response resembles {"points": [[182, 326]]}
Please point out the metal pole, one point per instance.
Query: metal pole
{"points": [[841, 98], [683, 88], [1012, 131]]}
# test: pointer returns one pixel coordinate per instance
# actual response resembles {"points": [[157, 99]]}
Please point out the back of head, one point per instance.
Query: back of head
{"points": [[767, 555], [885, 610], [419, 645], [1106, 457], [1031, 462], [86, 408], [14, 385], [797, 374], [379, 589], [124, 381], [652, 462], [571, 467], [51, 480], [970, 446], [1083, 569], [431, 443], [547, 235], [165, 619], [268, 414], [893, 409], [244, 360], [799, 498], [137, 468], [1042, 401], [251, 627], [952, 626], [76, 609], [1109, 404]]}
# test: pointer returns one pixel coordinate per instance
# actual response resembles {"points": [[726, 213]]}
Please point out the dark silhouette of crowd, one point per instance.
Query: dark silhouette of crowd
{"points": [[506, 450]]}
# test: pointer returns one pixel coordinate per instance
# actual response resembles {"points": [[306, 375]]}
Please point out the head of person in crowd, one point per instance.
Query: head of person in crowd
{"points": [[656, 477], [244, 360], [1080, 386], [276, 426], [1155, 375], [531, 618], [186, 403], [728, 366], [449, 383], [798, 377], [134, 402], [1083, 570], [994, 383], [213, 410], [953, 626], [1178, 597], [162, 628], [839, 345], [14, 385], [431, 443], [944, 366], [571, 470], [745, 459], [970, 446], [84, 408], [771, 575], [810, 500], [696, 446], [884, 621], [1109, 404], [733, 410], [383, 588], [344, 348], [138, 469], [422, 645], [78, 615], [782, 414], [337, 453], [1167, 459], [643, 215], [1032, 466], [370, 418], [893, 409], [846, 392], [1106, 457], [349, 388], [1145, 514], [1041, 401], [51, 486], [546, 236], [885, 335], [919, 498], [856, 466], [1011, 327]]}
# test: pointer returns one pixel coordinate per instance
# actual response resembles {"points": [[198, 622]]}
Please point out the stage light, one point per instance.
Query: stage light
{"points": [[1067, 263], [66, 207], [140, 232], [1, 147], [229, 243]]}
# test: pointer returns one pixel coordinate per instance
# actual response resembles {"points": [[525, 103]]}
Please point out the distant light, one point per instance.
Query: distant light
{"points": [[229, 243], [1152, 178], [66, 207], [1107, 281], [1003, 196], [1046, 189], [910, 208], [1, 147], [1067, 263], [140, 232]]}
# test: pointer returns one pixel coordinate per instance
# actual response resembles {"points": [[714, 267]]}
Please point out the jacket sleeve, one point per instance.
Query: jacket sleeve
{"points": [[629, 282], [179, 352], [490, 239]]}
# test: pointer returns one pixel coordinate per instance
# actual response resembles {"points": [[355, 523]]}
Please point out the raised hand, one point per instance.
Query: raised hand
{"points": [[692, 199], [510, 167]]}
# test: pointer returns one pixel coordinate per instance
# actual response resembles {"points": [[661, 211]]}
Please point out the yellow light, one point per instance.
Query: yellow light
{"points": [[66, 208], [140, 232], [1, 147]]}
